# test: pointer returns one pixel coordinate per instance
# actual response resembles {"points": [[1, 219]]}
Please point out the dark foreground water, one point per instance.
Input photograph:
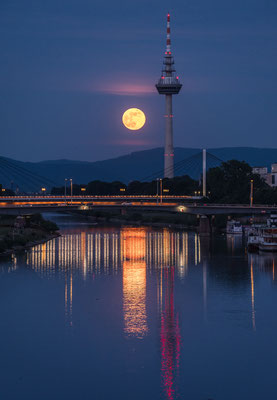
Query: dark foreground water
{"points": [[138, 313]]}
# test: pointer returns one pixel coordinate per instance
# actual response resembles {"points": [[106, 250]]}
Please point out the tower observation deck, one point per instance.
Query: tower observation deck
{"points": [[168, 85]]}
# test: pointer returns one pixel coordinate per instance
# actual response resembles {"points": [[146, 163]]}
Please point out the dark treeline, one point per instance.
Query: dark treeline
{"points": [[180, 185], [5, 192], [228, 183]]}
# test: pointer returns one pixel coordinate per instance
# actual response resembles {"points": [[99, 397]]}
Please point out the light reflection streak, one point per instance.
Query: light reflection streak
{"points": [[252, 296], [134, 281]]}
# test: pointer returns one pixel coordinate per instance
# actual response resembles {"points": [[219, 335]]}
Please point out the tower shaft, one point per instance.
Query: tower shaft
{"points": [[168, 85], [168, 148]]}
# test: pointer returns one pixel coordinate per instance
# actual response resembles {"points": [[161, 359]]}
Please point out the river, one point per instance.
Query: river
{"points": [[131, 313]]}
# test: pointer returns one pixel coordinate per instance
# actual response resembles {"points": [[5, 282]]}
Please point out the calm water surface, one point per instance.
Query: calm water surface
{"points": [[138, 313]]}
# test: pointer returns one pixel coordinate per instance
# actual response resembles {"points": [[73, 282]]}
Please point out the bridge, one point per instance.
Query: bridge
{"points": [[25, 205], [30, 204]]}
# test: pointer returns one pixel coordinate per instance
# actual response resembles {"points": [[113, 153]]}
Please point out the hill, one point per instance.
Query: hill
{"points": [[134, 166]]}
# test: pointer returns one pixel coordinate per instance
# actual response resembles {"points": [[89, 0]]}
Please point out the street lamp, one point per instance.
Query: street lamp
{"points": [[65, 180], [251, 192], [161, 189], [43, 189], [71, 189]]}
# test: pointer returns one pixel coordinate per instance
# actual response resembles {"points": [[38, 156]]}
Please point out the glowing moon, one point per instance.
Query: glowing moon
{"points": [[133, 119]]}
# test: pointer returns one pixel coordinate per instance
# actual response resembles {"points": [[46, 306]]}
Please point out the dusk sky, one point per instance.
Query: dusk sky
{"points": [[70, 68]]}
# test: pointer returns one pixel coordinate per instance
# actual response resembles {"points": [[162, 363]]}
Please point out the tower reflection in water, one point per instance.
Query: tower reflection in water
{"points": [[170, 333]]}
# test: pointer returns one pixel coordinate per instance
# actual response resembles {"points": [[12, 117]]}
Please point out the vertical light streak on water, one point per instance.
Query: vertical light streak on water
{"points": [[134, 282], [65, 297], [199, 249], [71, 298], [195, 249], [253, 296], [205, 289], [84, 253]]}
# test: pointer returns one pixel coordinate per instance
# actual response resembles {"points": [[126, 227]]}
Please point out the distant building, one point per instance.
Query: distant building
{"points": [[273, 175], [269, 177], [262, 171]]}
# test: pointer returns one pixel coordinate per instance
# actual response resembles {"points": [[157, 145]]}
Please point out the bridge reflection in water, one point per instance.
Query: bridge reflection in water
{"points": [[103, 252]]}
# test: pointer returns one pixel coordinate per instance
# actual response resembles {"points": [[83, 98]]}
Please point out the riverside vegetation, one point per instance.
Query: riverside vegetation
{"points": [[18, 232]]}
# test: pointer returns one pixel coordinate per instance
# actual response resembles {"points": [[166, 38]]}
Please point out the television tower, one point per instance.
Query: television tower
{"points": [[168, 85]]}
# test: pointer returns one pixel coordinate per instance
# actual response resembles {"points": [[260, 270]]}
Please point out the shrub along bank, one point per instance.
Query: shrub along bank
{"points": [[19, 232]]}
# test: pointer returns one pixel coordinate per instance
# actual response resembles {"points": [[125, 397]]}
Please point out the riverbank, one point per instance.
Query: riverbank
{"points": [[21, 233]]}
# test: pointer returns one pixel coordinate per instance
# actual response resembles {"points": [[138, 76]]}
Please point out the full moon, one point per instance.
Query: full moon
{"points": [[133, 119]]}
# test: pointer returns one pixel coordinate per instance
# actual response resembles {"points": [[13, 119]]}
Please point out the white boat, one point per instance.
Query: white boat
{"points": [[253, 239], [263, 237], [234, 227], [268, 240]]}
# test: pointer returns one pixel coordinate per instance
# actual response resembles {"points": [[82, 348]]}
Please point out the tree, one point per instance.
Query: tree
{"points": [[230, 183]]}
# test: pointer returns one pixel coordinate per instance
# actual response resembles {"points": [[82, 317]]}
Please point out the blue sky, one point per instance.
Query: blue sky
{"points": [[70, 68]]}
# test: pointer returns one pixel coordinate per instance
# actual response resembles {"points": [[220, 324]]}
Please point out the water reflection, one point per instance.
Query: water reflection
{"points": [[252, 295], [134, 281], [170, 334], [94, 252], [150, 264], [234, 242]]}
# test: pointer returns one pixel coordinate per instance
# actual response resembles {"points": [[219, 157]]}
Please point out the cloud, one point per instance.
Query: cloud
{"points": [[125, 89]]}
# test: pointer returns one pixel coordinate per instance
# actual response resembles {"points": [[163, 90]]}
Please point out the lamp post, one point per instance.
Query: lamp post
{"points": [[65, 180], [71, 189], [251, 192], [161, 190], [65, 186], [204, 173]]}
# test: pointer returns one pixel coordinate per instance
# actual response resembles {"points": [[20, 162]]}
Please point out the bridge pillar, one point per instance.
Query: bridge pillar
{"points": [[204, 227]]}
